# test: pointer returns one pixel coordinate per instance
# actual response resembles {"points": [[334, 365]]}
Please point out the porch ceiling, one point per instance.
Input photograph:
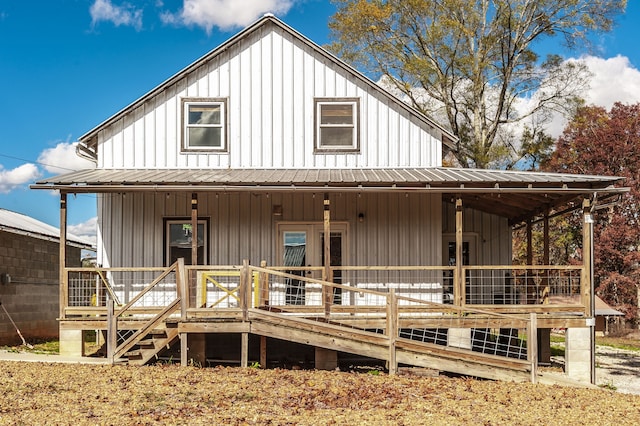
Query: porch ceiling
{"points": [[512, 194]]}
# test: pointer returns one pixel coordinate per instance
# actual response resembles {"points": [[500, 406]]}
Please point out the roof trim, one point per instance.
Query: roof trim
{"points": [[448, 138]]}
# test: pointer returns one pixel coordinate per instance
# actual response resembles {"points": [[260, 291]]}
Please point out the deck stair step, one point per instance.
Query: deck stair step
{"points": [[149, 349], [154, 336]]}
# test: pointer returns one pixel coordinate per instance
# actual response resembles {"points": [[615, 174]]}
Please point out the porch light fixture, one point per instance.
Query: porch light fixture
{"points": [[277, 210], [361, 217]]}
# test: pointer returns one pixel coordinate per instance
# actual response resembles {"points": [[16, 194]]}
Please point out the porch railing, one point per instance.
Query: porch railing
{"points": [[503, 288]]}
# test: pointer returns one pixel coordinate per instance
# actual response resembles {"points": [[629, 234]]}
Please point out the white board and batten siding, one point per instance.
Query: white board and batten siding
{"points": [[270, 80], [242, 226]]}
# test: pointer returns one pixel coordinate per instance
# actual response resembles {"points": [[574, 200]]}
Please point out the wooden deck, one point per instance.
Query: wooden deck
{"points": [[495, 341]]}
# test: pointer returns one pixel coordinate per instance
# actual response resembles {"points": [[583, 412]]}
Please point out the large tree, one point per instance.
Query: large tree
{"points": [[473, 62], [604, 142]]}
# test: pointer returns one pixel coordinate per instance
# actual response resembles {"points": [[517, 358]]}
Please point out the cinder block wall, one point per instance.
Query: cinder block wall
{"points": [[31, 298]]}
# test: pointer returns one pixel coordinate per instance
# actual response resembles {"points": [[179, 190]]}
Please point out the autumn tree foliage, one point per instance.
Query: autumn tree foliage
{"points": [[472, 62], [601, 142]]}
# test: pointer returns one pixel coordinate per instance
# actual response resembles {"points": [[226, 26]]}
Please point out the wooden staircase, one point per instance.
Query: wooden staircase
{"points": [[148, 341], [152, 345]]}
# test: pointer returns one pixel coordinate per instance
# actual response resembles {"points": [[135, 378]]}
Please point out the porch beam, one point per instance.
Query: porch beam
{"points": [[62, 262]]}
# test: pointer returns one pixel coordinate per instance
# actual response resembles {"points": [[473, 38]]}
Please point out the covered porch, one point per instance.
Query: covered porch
{"points": [[487, 306]]}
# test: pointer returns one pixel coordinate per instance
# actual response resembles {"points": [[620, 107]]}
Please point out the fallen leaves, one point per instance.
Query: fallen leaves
{"points": [[65, 394]]}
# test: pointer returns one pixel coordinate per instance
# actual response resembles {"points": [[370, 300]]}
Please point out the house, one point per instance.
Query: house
{"points": [[217, 191], [29, 272], [605, 316]]}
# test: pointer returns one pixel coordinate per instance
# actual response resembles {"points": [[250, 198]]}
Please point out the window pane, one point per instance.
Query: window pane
{"points": [[204, 114], [180, 237], [205, 136], [336, 114], [336, 136]]}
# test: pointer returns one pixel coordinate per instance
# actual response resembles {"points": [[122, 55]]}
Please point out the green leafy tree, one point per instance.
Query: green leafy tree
{"points": [[472, 62], [604, 142]]}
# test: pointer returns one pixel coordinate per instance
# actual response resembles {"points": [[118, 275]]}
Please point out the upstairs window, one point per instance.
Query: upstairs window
{"points": [[204, 125], [337, 124]]}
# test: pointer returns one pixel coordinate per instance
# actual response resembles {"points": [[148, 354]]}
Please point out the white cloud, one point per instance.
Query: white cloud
{"points": [[21, 175], [224, 14], [86, 230], [63, 159], [613, 80], [125, 14]]}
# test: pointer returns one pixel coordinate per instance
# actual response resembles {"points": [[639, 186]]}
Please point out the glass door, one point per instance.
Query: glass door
{"points": [[472, 293], [295, 255], [302, 245]]}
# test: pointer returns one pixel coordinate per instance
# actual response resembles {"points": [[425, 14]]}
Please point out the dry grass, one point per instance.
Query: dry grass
{"points": [[68, 394]]}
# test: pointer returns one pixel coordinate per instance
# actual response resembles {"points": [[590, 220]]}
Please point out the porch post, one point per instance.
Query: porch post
{"points": [[588, 284], [587, 260], [458, 279], [327, 239], [64, 284], [327, 292], [546, 253], [194, 228], [544, 334], [529, 242]]}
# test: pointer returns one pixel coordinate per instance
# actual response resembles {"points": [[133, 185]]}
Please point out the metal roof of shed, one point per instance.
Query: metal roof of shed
{"points": [[19, 223], [512, 194]]}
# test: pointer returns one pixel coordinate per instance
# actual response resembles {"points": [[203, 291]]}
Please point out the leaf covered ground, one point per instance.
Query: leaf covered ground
{"points": [[74, 394]]}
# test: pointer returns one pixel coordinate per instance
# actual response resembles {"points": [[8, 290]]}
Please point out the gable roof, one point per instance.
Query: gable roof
{"points": [[18, 223], [88, 139], [512, 194]]}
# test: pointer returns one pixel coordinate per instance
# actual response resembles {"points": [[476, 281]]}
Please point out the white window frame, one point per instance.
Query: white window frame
{"points": [[186, 126], [354, 146]]}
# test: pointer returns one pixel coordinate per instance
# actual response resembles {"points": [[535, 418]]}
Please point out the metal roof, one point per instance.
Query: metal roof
{"points": [[512, 194], [18, 223]]}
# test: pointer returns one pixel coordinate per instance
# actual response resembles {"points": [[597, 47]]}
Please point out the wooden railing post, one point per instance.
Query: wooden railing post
{"points": [[245, 302], [392, 329], [263, 287], [532, 346], [112, 331], [182, 287], [245, 289]]}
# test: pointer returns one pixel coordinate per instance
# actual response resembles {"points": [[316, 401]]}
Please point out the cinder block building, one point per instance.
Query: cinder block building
{"points": [[29, 276]]}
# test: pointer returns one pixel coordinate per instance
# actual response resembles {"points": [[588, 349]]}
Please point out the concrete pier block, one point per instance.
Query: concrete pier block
{"points": [[578, 354], [71, 343]]}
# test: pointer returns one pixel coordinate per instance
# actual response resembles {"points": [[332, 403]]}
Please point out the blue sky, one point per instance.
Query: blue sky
{"points": [[67, 65]]}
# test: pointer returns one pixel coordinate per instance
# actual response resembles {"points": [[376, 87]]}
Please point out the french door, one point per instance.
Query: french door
{"points": [[302, 245]]}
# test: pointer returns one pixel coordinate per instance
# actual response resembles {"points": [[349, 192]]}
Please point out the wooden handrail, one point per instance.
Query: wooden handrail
{"points": [[159, 278]]}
